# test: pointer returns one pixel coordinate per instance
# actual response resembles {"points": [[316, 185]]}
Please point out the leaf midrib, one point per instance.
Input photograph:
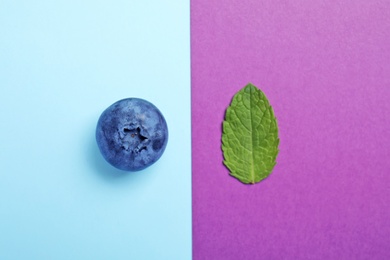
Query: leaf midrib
{"points": [[252, 137]]}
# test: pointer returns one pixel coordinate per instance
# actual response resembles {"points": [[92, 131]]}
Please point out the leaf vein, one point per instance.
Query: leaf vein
{"points": [[239, 119]]}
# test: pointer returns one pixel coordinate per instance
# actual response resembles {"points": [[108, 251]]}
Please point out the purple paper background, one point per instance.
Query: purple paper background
{"points": [[325, 67]]}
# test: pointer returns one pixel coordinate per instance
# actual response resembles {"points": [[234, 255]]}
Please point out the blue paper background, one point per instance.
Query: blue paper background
{"points": [[61, 64]]}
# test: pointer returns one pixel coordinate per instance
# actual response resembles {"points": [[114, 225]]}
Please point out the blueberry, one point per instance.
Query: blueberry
{"points": [[132, 134]]}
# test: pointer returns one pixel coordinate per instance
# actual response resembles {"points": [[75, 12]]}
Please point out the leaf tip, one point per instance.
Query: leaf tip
{"points": [[249, 88]]}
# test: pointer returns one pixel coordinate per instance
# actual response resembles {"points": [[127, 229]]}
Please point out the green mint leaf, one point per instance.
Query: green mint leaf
{"points": [[250, 136]]}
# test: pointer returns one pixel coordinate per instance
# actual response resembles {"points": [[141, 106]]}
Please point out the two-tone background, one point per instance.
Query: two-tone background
{"points": [[324, 66]]}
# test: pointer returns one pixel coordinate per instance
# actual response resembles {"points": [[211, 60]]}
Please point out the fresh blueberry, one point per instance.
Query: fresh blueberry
{"points": [[132, 134]]}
